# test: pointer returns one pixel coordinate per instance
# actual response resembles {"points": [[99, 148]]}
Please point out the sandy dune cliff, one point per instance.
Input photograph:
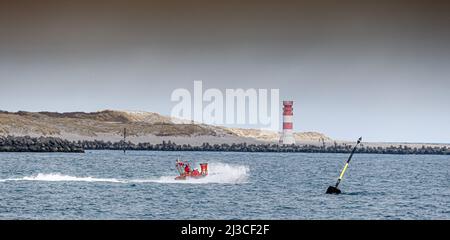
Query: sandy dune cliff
{"points": [[108, 125]]}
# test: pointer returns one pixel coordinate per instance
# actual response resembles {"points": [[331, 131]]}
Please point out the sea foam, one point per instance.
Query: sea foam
{"points": [[218, 173]]}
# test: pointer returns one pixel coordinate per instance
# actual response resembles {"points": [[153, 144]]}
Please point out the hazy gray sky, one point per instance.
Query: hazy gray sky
{"points": [[371, 68]]}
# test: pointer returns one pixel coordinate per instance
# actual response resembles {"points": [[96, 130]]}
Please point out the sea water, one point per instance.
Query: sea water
{"points": [[141, 185]]}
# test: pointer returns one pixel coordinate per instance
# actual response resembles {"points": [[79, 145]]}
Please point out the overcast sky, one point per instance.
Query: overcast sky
{"points": [[375, 69]]}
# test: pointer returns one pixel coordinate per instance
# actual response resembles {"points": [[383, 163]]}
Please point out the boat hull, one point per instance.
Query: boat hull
{"points": [[186, 177]]}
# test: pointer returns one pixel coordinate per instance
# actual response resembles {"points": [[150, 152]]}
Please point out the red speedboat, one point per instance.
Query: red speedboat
{"points": [[186, 173]]}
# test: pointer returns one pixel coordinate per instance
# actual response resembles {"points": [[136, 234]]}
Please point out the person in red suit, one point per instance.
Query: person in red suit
{"points": [[187, 169], [195, 173]]}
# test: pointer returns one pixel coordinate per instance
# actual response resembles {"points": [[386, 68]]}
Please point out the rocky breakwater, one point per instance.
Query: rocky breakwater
{"points": [[40, 144], [244, 147]]}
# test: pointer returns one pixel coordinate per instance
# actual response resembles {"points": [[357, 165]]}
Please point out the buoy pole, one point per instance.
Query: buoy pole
{"points": [[335, 189]]}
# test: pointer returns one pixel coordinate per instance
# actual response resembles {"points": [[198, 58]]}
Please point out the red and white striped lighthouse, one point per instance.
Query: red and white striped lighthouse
{"points": [[287, 137]]}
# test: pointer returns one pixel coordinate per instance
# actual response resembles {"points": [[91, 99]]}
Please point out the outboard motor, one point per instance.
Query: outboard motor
{"points": [[204, 169]]}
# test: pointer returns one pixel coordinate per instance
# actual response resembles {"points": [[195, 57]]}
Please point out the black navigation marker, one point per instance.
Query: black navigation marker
{"points": [[334, 189]]}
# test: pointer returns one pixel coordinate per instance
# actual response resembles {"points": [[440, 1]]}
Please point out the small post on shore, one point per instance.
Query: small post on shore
{"points": [[124, 139]]}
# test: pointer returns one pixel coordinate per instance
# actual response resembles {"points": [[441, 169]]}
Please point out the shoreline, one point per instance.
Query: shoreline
{"points": [[52, 144]]}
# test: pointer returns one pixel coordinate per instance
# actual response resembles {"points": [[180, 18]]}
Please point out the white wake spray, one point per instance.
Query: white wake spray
{"points": [[218, 173], [57, 177]]}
